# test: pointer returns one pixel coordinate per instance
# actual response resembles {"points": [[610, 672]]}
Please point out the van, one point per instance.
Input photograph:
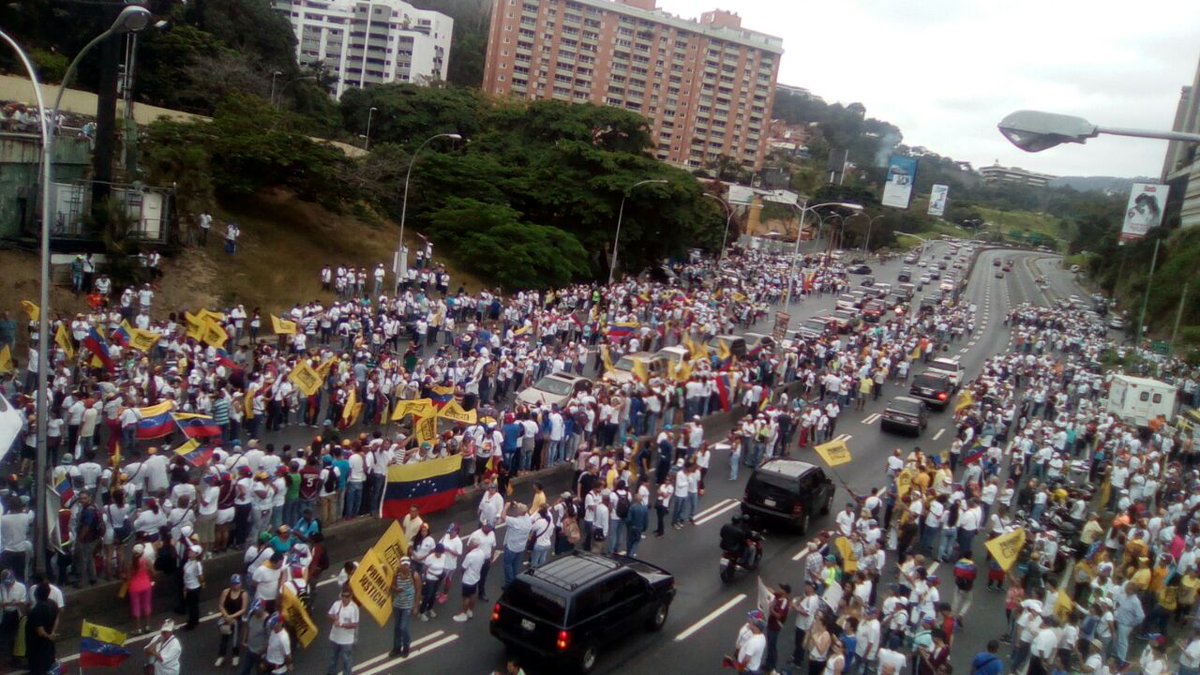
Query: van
{"points": [[789, 490], [673, 356], [623, 370], [908, 290], [847, 302], [1139, 400]]}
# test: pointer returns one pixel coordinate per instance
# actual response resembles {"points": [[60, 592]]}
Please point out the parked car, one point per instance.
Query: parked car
{"points": [[789, 490], [859, 269], [948, 366], [623, 369], [568, 610], [814, 328], [904, 413], [554, 389], [736, 345]]}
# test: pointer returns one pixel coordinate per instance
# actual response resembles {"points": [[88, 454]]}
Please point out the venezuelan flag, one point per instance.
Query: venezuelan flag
{"points": [[975, 454], [224, 359], [431, 486], [96, 654], [121, 334], [156, 421], [725, 390], [94, 342], [620, 331], [196, 426], [195, 454], [64, 489], [441, 395]]}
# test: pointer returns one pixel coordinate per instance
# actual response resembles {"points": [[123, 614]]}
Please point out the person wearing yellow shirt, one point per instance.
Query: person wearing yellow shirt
{"points": [[1189, 584], [1141, 576]]}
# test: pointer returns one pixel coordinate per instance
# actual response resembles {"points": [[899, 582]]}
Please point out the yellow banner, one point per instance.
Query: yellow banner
{"points": [[606, 358], [351, 400], [1063, 607], [100, 633], [63, 340], [282, 326], [421, 407], [307, 380], [454, 412], [1007, 547], [372, 586], [835, 453], [849, 560], [965, 400], [392, 546], [640, 371], [6, 364], [297, 617], [904, 482], [141, 340], [31, 309], [215, 335], [425, 429]]}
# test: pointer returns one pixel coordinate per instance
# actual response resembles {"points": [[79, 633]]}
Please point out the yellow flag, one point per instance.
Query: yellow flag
{"points": [[392, 545], [100, 633], [849, 560], [1063, 607], [348, 410], [31, 309], [835, 453], [6, 364], [454, 412], [215, 335], [606, 358], [196, 326], [248, 402], [425, 429], [965, 400], [324, 368], [640, 371], [297, 617], [421, 407], [307, 380], [522, 330], [683, 371], [372, 586], [142, 340], [723, 352], [283, 326], [1007, 547], [211, 316], [904, 482], [63, 340]]}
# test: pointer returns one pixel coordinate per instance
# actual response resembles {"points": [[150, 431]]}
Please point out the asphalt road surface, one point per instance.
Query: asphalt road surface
{"points": [[706, 613]]}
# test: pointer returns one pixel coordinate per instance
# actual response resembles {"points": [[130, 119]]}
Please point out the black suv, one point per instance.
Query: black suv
{"points": [[904, 413], [933, 389], [569, 609], [788, 489]]}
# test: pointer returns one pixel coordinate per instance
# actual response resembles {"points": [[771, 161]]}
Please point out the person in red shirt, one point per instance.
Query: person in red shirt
{"points": [[777, 614]]}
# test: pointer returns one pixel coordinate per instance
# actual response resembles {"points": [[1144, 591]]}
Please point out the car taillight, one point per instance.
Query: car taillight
{"points": [[797, 508], [942, 396], [564, 640], [496, 612]]}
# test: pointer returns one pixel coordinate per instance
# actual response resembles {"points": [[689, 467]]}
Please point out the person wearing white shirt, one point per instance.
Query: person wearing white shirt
{"points": [[472, 566], [751, 651], [845, 520], [279, 648], [491, 505], [344, 615]]}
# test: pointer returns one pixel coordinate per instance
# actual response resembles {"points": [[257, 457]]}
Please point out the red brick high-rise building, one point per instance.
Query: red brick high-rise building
{"points": [[706, 88]]}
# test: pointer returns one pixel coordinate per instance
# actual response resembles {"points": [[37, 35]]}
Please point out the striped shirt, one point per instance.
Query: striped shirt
{"points": [[404, 593]]}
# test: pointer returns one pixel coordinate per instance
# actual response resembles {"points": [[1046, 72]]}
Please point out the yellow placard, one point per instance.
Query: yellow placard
{"points": [[835, 453], [426, 429], [282, 326], [6, 364], [421, 407], [849, 560], [372, 586], [307, 380], [454, 412], [142, 340], [392, 546], [297, 617], [100, 633], [1007, 547], [904, 482]]}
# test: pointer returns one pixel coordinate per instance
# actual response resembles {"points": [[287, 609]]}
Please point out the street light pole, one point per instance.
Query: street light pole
{"points": [[728, 220], [401, 252], [367, 143], [612, 267], [131, 20], [1146, 295], [273, 76], [1034, 130], [805, 208], [867, 242]]}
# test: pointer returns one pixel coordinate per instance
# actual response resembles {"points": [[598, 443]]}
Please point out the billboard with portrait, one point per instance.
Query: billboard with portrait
{"points": [[1144, 210], [901, 176], [937, 200]]}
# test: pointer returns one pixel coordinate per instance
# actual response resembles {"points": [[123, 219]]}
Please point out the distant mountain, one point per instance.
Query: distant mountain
{"points": [[1105, 184]]}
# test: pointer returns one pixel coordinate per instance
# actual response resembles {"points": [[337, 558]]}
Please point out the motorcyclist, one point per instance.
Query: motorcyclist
{"points": [[735, 536]]}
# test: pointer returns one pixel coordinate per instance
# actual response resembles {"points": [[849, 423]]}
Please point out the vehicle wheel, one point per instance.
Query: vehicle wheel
{"points": [[587, 661], [659, 618], [727, 572], [803, 524], [828, 505]]}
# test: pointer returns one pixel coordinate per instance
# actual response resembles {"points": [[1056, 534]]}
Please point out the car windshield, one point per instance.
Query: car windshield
{"points": [[553, 385], [625, 364], [815, 324], [906, 407]]}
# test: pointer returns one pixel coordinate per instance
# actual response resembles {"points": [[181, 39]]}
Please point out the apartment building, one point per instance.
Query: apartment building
{"points": [[374, 42], [705, 87], [1004, 174]]}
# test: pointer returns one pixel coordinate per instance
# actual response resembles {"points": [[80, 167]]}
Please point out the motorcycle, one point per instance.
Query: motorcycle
{"points": [[731, 560]]}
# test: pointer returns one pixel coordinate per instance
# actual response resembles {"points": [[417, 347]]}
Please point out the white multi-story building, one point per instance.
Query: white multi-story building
{"points": [[374, 42]]}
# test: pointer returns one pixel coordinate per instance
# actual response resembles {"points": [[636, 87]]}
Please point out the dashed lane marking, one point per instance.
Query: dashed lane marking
{"points": [[384, 667], [872, 419], [709, 618], [717, 514], [939, 434]]}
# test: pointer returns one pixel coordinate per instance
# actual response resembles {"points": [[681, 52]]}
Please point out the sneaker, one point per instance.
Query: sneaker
{"points": [[220, 662], [470, 614], [425, 618], [460, 618], [235, 661], [432, 614]]}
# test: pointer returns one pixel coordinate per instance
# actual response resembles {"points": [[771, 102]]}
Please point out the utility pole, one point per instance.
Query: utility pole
{"points": [[1179, 313], [106, 122], [1146, 295]]}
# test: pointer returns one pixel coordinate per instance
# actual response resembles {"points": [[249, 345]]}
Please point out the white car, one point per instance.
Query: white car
{"points": [[950, 367], [556, 388]]}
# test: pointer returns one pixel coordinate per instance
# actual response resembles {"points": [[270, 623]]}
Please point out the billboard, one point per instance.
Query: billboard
{"points": [[901, 175], [937, 200], [1144, 210]]}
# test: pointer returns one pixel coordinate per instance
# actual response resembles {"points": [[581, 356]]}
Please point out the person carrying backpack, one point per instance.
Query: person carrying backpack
{"points": [[618, 512], [88, 525]]}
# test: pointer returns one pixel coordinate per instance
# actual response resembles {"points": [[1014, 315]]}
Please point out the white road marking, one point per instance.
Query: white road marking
{"points": [[714, 507], [939, 434], [844, 437], [963, 350], [717, 514], [691, 630], [871, 419], [387, 655], [383, 667]]}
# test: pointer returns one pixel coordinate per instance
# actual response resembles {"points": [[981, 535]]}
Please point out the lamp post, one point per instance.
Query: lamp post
{"points": [[1034, 131], [401, 252], [867, 241], [923, 240], [274, 75], [367, 142], [728, 220], [612, 267], [131, 20], [805, 208]]}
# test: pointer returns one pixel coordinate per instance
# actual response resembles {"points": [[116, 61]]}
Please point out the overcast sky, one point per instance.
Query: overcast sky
{"points": [[946, 71]]}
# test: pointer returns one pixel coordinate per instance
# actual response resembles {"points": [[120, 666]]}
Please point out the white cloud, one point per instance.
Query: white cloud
{"points": [[946, 71]]}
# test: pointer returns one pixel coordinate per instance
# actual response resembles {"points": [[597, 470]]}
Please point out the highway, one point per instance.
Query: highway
{"points": [[706, 613]]}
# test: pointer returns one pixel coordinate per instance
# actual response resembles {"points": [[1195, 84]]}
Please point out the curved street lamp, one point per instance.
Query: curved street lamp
{"points": [[1034, 130], [612, 267], [132, 19], [401, 252], [728, 219]]}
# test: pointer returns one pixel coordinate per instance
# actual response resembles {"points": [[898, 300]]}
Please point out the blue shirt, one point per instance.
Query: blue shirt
{"points": [[512, 435], [343, 467]]}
